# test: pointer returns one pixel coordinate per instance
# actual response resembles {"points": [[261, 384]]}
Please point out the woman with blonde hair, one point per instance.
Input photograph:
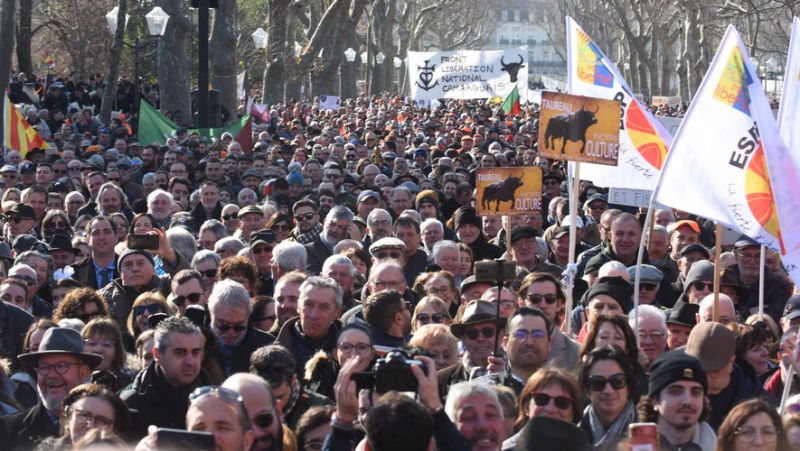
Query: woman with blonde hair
{"points": [[440, 343], [147, 304], [430, 310]]}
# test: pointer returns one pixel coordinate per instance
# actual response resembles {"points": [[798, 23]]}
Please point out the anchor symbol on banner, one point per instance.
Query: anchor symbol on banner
{"points": [[426, 76]]}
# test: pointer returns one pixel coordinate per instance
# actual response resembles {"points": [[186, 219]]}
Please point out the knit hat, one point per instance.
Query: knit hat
{"points": [[675, 366], [466, 215], [295, 178], [545, 433], [701, 271], [616, 287], [428, 196], [130, 252]]}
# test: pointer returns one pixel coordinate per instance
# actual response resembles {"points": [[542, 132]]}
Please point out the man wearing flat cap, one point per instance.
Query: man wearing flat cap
{"points": [[60, 366], [776, 289], [676, 402]]}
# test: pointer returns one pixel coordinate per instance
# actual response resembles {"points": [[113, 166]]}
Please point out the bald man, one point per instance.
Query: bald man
{"points": [[727, 311], [260, 404]]}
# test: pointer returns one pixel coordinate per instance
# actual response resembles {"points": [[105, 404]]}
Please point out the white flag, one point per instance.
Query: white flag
{"points": [[643, 141], [728, 163]]}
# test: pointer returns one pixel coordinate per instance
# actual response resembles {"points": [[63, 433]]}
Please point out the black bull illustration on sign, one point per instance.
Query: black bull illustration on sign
{"points": [[569, 127], [500, 192], [512, 68]]}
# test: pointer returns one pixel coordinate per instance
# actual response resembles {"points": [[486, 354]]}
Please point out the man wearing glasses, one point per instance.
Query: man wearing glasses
{"points": [[60, 365], [159, 393], [477, 329], [266, 420], [545, 292], [229, 307], [777, 290]]}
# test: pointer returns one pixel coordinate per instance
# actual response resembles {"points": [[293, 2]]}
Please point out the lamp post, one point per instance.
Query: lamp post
{"points": [[350, 56], [157, 21], [260, 39], [397, 64]]}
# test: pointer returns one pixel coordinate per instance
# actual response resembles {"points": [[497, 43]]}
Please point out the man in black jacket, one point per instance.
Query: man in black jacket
{"points": [[230, 309], [61, 365], [336, 228], [160, 393]]}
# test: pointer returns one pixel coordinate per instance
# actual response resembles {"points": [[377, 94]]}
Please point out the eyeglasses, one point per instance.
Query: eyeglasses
{"points": [[227, 327], [647, 287], [506, 303], [487, 332], [209, 273], [264, 419], [306, 216], [537, 298], [265, 318], [360, 348], [424, 318], [746, 257], [543, 399], [261, 250], [281, 228], [445, 290], [86, 317], [43, 369], [385, 255], [151, 309], [334, 176], [60, 171], [226, 394], [699, 286], [655, 336], [99, 420], [17, 219], [550, 183], [107, 344], [537, 335], [748, 434], [598, 383], [597, 207], [193, 298], [59, 225]]}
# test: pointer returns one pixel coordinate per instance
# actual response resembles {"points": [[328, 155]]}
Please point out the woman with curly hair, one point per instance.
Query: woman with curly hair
{"points": [[440, 284], [241, 270], [84, 304]]}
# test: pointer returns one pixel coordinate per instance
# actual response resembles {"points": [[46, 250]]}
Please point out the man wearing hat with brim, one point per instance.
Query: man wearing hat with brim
{"points": [[650, 279], [60, 365], [675, 402], [776, 288], [728, 384], [680, 321], [22, 220], [551, 184], [252, 220], [367, 201], [63, 252], [477, 330]]}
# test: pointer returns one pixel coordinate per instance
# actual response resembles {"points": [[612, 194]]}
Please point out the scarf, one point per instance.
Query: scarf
{"points": [[605, 439], [292, 398]]}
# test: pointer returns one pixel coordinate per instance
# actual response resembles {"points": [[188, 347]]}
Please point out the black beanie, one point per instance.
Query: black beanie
{"points": [[616, 287], [674, 366], [466, 215]]}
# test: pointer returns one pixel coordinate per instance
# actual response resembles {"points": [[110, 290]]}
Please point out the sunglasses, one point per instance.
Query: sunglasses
{"points": [[27, 279], [17, 219], [543, 399], [551, 183], [193, 298], [598, 207], [699, 286], [598, 383], [487, 332], [307, 217], [647, 287], [424, 318], [151, 309], [385, 255], [281, 228], [537, 298], [60, 171], [264, 419], [261, 250], [231, 216], [209, 273], [225, 327]]}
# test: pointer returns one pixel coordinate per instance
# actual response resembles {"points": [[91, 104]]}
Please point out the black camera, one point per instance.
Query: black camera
{"points": [[391, 373]]}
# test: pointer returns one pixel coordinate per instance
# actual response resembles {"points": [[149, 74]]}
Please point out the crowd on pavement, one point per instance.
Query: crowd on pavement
{"points": [[318, 291]]}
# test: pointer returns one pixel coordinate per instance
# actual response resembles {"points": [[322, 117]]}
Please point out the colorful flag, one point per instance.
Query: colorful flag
{"points": [[728, 162], [511, 104], [643, 141], [51, 63], [155, 127], [260, 111], [17, 133], [245, 136]]}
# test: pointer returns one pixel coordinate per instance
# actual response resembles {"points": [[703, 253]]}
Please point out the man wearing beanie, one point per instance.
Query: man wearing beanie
{"points": [[468, 230], [676, 401], [427, 204], [610, 296]]}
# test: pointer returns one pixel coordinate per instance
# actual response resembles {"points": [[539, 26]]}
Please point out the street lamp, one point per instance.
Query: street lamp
{"points": [[350, 55], [380, 57], [260, 38], [157, 21], [397, 63], [298, 49], [364, 57]]}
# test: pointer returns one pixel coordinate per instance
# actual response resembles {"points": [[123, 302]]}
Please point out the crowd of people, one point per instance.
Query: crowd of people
{"points": [[318, 291]]}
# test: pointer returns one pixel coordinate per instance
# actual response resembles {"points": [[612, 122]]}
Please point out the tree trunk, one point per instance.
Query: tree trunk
{"points": [[110, 92], [222, 55], [24, 31], [349, 71], [278, 51], [173, 62]]}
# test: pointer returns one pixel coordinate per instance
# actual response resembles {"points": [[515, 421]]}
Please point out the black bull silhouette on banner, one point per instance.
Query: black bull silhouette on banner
{"points": [[500, 192], [569, 127]]}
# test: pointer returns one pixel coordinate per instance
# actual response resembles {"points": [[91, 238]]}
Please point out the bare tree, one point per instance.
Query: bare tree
{"points": [[113, 65], [173, 64], [223, 56]]}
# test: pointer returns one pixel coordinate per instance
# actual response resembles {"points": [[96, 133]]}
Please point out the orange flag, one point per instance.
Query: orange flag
{"points": [[17, 133]]}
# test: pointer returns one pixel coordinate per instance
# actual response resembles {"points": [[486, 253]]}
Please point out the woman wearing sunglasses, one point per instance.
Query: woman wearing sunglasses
{"points": [[146, 305], [281, 224], [606, 377], [355, 340], [55, 222], [102, 336], [430, 310], [550, 392]]}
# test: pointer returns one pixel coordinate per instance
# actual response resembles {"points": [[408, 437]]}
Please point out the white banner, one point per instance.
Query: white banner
{"points": [[329, 102], [643, 141], [468, 74]]}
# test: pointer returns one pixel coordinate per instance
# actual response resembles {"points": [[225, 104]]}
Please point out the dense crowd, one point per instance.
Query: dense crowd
{"points": [[318, 291]]}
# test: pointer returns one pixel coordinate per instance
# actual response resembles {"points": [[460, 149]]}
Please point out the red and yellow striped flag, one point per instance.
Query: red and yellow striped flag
{"points": [[51, 64], [17, 133]]}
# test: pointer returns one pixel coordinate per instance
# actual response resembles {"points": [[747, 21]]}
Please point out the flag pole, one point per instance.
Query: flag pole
{"points": [[570, 270], [761, 285], [787, 386], [717, 252], [639, 258]]}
